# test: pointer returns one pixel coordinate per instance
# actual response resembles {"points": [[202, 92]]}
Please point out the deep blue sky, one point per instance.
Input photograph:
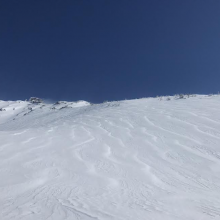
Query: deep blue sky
{"points": [[99, 50]]}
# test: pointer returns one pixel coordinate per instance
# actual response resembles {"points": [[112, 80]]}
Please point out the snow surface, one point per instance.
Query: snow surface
{"points": [[129, 160]]}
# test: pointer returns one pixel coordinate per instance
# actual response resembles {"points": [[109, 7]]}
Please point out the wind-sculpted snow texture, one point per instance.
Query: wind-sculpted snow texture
{"points": [[145, 159]]}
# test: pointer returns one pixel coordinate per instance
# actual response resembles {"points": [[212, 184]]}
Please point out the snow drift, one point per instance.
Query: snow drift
{"points": [[129, 160]]}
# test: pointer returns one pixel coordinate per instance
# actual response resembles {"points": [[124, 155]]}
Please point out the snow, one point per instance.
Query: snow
{"points": [[130, 160]]}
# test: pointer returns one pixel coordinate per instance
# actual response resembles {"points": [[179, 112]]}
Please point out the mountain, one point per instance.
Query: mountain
{"points": [[143, 159]]}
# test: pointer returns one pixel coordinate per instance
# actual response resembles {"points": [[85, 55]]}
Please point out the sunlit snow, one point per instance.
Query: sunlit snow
{"points": [[144, 159]]}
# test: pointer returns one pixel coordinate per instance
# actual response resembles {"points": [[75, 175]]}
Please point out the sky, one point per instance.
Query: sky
{"points": [[105, 50]]}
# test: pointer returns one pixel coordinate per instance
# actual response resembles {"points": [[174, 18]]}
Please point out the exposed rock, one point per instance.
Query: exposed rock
{"points": [[35, 100]]}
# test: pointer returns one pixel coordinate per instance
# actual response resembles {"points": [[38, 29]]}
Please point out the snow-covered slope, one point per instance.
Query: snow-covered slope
{"points": [[130, 160]]}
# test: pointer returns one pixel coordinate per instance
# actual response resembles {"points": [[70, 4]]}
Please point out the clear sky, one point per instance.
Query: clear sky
{"points": [[97, 50]]}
